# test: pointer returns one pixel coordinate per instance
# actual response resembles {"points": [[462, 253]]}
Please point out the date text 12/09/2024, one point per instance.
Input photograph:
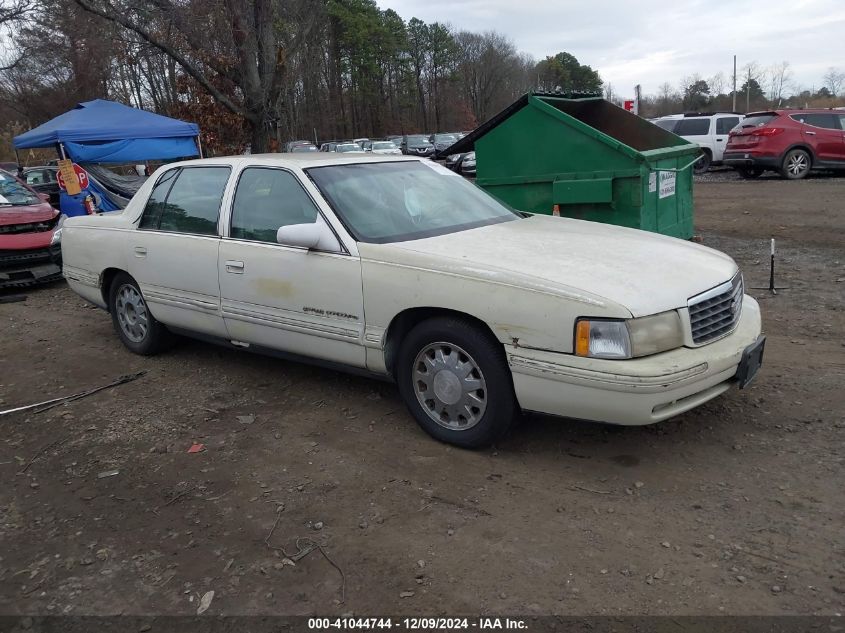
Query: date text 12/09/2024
{"points": [[417, 624]]}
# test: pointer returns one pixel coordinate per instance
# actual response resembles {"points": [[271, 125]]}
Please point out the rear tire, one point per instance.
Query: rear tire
{"points": [[137, 328], [455, 381], [796, 164], [702, 164]]}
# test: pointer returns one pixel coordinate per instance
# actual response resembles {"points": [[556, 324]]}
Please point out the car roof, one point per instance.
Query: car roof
{"points": [[298, 160], [796, 111]]}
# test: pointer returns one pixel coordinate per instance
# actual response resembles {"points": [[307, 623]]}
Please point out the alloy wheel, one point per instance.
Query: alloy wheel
{"points": [[131, 313], [449, 386]]}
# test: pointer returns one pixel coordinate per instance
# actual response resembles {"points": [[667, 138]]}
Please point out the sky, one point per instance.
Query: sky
{"points": [[648, 43]]}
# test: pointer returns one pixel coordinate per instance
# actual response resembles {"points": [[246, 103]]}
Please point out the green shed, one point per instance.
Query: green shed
{"points": [[585, 158]]}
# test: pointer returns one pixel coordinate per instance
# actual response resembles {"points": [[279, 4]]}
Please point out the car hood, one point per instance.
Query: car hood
{"points": [[645, 272], [24, 214]]}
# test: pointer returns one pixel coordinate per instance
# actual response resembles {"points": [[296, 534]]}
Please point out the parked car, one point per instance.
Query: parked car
{"points": [[709, 130], [361, 141], [310, 147], [416, 145], [345, 148], [382, 147], [453, 161], [468, 164], [398, 268], [28, 252], [292, 144], [44, 180], [341, 146], [789, 142], [441, 143]]}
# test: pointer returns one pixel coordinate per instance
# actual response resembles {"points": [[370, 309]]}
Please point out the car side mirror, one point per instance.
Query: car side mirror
{"points": [[44, 197], [313, 236]]}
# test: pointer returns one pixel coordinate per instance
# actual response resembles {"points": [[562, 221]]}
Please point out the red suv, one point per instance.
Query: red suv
{"points": [[790, 142]]}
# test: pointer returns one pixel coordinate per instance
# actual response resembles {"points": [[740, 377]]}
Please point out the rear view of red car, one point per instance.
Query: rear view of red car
{"points": [[789, 142], [27, 224]]}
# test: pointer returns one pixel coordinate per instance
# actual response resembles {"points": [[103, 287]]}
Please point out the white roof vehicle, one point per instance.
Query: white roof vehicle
{"points": [[709, 130], [398, 267]]}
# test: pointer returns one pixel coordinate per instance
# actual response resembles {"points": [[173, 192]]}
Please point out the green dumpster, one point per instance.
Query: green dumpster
{"points": [[586, 158]]}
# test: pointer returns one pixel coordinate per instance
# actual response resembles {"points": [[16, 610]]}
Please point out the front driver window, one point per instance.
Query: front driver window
{"points": [[267, 199]]}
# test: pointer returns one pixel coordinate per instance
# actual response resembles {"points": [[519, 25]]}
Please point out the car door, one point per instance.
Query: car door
{"points": [[822, 133], [724, 124], [291, 299], [173, 252]]}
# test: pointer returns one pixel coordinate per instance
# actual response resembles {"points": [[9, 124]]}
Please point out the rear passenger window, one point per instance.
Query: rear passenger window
{"points": [[726, 124], [155, 204], [827, 121], [692, 127], [267, 199], [191, 204]]}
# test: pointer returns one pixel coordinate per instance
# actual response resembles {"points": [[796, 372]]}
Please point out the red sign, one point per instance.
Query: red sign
{"points": [[629, 105], [81, 176]]}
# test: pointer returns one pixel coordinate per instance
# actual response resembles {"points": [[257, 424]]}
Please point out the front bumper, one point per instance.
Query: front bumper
{"points": [[748, 159], [20, 268], [637, 391]]}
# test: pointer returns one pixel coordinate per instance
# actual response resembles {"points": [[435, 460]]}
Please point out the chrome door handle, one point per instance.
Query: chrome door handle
{"points": [[810, 133], [140, 251], [233, 266]]}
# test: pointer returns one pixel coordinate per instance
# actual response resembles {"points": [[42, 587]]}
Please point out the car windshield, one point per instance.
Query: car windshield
{"points": [[348, 147], [444, 138], [418, 141], [405, 200], [14, 193], [384, 145]]}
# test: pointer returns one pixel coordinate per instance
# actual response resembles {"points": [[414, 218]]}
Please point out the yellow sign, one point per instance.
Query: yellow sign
{"points": [[68, 178]]}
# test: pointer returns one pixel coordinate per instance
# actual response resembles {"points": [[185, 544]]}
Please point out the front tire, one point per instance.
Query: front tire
{"points": [[137, 328], [796, 164], [455, 380]]}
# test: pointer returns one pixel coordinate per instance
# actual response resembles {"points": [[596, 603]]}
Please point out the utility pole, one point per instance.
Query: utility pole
{"points": [[734, 91]]}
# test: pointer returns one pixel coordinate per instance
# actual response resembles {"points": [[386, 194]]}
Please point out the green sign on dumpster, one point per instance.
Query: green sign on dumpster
{"points": [[586, 158]]}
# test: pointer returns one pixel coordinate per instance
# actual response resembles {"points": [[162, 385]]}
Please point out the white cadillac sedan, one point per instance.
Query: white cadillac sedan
{"points": [[400, 268]]}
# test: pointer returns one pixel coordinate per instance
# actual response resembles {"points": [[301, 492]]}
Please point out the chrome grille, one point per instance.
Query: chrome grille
{"points": [[716, 312]]}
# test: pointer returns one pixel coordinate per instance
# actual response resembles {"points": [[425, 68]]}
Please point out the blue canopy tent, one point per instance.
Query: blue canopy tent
{"points": [[103, 131]]}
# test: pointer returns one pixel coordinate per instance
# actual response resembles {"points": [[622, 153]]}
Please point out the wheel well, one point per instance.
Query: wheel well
{"points": [[106, 278], [806, 148], [406, 320]]}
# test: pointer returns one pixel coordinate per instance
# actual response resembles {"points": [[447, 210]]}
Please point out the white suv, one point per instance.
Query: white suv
{"points": [[710, 131]]}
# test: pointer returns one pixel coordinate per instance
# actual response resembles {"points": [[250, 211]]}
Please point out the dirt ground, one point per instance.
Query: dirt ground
{"points": [[736, 508]]}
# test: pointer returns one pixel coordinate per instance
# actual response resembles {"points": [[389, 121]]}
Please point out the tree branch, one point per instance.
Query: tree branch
{"points": [[113, 15]]}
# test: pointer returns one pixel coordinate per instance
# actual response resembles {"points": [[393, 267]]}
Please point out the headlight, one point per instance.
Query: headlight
{"points": [[658, 333], [602, 339], [57, 237], [628, 339], [454, 157]]}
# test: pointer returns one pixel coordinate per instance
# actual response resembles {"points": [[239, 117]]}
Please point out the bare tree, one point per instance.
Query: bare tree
{"points": [[253, 59], [717, 84], [780, 77], [12, 13], [833, 80]]}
